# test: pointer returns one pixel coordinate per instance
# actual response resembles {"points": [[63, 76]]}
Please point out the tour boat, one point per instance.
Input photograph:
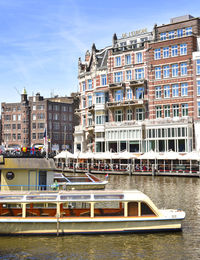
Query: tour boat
{"points": [[83, 212], [86, 182]]}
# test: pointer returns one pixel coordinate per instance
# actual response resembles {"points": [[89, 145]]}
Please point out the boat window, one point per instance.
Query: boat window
{"points": [[42, 198], [133, 209], [10, 198], [75, 197], [146, 210], [75, 209], [114, 208], [109, 197]]}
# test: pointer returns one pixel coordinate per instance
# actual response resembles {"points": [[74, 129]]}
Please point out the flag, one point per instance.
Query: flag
{"points": [[106, 176]]}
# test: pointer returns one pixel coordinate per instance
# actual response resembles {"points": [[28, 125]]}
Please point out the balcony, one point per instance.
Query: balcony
{"points": [[136, 83], [91, 109], [116, 85], [134, 46], [126, 103], [79, 129], [127, 124], [90, 128]]}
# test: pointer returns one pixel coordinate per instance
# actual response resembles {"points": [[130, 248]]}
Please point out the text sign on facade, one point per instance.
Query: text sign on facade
{"points": [[134, 33]]}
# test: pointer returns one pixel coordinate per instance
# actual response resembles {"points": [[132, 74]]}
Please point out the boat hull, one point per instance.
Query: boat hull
{"points": [[11, 226]]}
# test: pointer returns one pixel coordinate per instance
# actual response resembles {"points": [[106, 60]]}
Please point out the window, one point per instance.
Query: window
{"points": [[128, 75], [19, 136], [139, 93], [175, 70], [118, 95], [163, 36], [118, 61], [183, 49], [128, 59], [167, 111], [103, 80], [89, 119], [14, 117], [184, 69], [166, 91], [139, 114], [158, 73], [184, 89], [198, 67], [118, 115], [83, 102], [198, 104], [166, 71], [118, 76], [129, 114], [41, 125], [83, 86], [157, 54], [89, 84], [100, 119], [175, 90], [198, 88], [158, 112], [34, 107], [55, 116], [188, 31], [139, 74], [171, 35], [40, 135], [83, 120], [19, 117], [184, 109], [34, 116], [89, 101], [179, 32], [166, 52], [174, 50], [158, 92], [139, 57], [40, 107], [50, 116], [175, 109], [100, 98], [129, 93]]}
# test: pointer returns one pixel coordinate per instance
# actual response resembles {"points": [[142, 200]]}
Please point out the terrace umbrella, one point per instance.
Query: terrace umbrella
{"points": [[192, 156], [151, 155]]}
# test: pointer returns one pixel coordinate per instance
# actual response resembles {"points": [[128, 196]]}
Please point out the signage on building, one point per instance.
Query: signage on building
{"points": [[134, 33]]}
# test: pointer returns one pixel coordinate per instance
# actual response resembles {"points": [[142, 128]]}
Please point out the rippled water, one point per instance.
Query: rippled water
{"points": [[166, 192]]}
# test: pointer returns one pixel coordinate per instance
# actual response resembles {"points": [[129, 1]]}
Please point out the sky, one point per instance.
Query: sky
{"points": [[41, 40]]}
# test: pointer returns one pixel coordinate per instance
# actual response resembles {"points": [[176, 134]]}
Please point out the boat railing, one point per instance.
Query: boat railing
{"points": [[29, 187]]}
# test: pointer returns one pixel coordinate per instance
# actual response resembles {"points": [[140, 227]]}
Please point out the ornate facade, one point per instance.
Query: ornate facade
{"points": [[143, 92]]}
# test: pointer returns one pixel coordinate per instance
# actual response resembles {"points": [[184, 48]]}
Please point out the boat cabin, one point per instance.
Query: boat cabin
{"points": [[26, 173], [81, 204]]}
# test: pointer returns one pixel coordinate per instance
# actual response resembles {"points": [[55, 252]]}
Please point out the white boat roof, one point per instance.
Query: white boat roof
{"points": [[65, 196]]}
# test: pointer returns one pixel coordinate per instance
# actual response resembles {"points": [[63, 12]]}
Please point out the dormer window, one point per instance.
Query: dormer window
{"points": [[188, 31], [171, 35]]}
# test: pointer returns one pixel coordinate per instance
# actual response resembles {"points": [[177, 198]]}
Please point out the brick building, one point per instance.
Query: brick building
{"points": [[24, 123], [141, 93]]}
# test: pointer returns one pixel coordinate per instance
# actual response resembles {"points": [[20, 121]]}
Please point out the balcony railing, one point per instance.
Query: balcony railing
{"points": [[124, 103]]}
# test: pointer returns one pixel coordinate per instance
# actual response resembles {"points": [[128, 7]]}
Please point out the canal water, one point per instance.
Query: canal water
{"points": [[166, 192]]}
